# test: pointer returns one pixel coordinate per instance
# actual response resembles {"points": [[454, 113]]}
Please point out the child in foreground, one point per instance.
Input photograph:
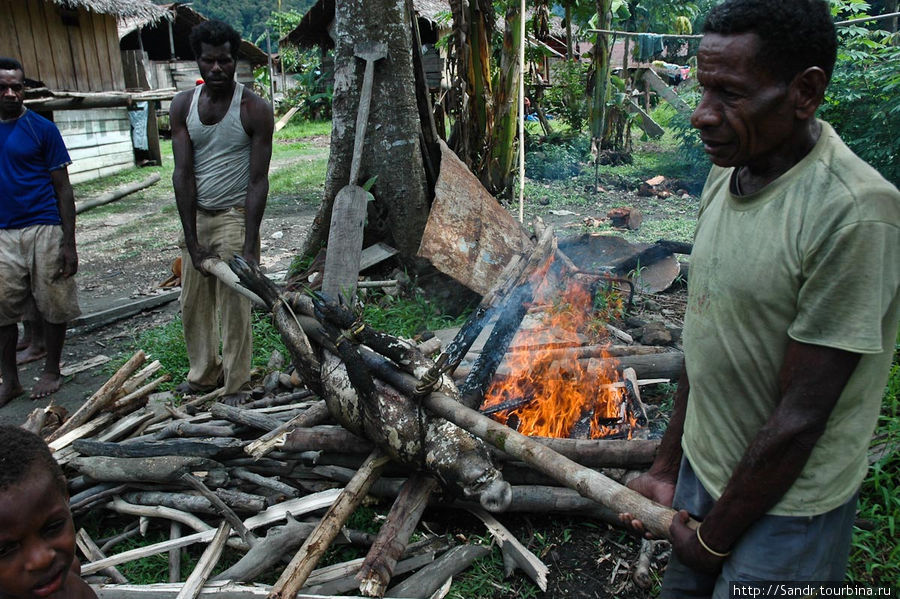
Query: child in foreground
{"points": [[37, 535]]}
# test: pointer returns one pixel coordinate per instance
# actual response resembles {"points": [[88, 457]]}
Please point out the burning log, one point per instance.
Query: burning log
{"points": [[589, 483], [473, 389]]}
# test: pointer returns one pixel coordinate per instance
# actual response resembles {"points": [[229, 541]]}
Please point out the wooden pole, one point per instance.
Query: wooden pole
{"points": [[101, 397], [522, 112], [589, 483], [309, 554], [116, 194]]}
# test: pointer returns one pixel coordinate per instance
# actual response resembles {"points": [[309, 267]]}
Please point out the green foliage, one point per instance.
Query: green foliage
{"points": [[166, 344], [557, 157], [687, 137], [406, 316], [875, 553], [863, 100], [568, 98], [313, 91], [485, 579], [249, 17]]}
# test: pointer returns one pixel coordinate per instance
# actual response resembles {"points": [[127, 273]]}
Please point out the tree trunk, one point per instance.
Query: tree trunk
{"points": [[391, 148], [600, 67]]}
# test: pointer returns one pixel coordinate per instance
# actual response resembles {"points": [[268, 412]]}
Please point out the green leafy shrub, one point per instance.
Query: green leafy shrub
{"points": [[556, 157], [862, 102], [567, 99]]}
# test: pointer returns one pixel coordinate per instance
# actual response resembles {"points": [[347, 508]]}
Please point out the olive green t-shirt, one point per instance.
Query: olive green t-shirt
{"points": [[814, 257]]}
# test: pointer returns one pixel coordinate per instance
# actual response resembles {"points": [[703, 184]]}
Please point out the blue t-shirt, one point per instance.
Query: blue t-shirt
{"points": [[30, 147]]}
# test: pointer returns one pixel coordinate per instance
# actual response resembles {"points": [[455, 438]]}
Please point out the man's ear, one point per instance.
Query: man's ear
{"points": [[808, 91]]}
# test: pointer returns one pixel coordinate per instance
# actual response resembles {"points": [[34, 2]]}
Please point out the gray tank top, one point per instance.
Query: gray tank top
{"points": [[221, 155]]}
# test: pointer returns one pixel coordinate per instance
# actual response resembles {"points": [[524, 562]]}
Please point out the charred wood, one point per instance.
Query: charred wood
{"points": [[206, 448], [137, 470], [246, 417]]}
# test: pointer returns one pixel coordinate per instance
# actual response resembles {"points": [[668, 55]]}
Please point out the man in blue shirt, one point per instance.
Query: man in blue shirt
{"points": [[37, 232]]}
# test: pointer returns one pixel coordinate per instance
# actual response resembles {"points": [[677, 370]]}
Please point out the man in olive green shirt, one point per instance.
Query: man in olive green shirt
{"points": [[792, 314]]}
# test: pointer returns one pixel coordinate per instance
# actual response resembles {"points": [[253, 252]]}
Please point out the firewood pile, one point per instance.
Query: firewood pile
{"points": [[362, 413]]}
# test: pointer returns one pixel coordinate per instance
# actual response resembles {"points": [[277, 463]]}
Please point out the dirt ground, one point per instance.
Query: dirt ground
{"points": [[127, 250]]}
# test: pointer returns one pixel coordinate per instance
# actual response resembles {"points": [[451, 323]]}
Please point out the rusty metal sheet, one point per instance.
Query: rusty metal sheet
{"points": [[469, 235], [594, 252]]}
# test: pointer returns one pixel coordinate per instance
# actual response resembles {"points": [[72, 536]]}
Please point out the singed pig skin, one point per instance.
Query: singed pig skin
{"points": [[455, 456]]}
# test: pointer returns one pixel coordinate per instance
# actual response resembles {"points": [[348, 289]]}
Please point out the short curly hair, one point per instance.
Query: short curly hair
{"points": [[214, 33], [21, 453], [794, 34], [11, 64]]}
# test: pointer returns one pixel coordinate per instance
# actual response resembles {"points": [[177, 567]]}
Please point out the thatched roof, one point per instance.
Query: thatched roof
{"points": [[142, 9], [431, 9], [313, 28], [183, 18]]}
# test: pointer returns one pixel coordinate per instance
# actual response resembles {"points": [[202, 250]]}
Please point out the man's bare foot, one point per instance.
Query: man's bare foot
{"points": [[47, 385], [30, 354], [8, 394]]}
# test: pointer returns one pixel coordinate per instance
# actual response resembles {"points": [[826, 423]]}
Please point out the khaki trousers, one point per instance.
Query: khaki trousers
{"points": [[207, 305]]}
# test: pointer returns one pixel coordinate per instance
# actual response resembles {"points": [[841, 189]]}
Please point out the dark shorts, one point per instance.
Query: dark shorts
{"points": [[774, 548]]}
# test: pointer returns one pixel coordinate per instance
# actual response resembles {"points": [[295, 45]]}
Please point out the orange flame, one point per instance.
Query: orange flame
{"points": [[558, 399]]}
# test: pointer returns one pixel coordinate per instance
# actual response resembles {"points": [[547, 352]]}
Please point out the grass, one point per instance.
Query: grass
{"points": [[406, 316], [875, 552], [166, 344]]}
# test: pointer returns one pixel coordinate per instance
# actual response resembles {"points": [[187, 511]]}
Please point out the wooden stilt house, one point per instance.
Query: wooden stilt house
{"points": [[70, 52]]}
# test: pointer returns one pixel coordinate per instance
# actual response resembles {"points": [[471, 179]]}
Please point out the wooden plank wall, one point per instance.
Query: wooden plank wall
{"points": [[82, 55], [99, 141], [184, 73]]}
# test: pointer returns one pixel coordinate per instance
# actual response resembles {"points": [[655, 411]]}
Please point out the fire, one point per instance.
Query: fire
{"points": [[544, 396]]}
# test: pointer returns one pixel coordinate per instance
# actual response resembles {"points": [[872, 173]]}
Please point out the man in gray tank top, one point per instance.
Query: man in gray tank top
{"points": [[222, 144]]}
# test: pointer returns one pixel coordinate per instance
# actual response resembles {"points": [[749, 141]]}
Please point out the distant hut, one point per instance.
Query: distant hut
{"points": [[69, 50], [157, 53], [315, 30]]}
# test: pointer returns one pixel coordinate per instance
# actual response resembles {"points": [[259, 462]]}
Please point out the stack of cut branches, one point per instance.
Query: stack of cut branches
{"points": [[257, 477]]}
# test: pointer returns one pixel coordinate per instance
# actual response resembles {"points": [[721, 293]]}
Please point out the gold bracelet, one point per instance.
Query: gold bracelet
{"points": [[708, 548]]}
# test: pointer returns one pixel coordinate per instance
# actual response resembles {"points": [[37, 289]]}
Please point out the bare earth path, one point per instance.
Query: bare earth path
{"points": [[125, 251]]}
